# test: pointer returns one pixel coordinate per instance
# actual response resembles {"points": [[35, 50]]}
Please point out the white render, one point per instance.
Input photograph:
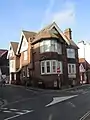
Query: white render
{"points": [[12, 66], [24, 45], [84, 50]]}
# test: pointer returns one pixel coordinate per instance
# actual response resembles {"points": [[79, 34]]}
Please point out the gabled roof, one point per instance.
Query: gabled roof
{"points": [[28, 34], [14, 46], [2, 52], [44, 34], [47, 33], [48, 29], [72, 43]]}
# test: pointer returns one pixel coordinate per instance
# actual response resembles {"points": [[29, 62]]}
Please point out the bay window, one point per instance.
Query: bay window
{"points": [[50, 67], [50, 46]]}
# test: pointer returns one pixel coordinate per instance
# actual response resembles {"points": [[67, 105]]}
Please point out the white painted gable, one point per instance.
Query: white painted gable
{"points": [[81, 68], [10, 52], [24, 45]]}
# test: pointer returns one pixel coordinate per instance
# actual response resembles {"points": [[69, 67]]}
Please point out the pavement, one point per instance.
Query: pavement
{"points": [[37, 104]]}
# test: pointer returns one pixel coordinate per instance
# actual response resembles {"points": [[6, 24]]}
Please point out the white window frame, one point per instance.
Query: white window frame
{"points": [[25, 55], [44, 67], [70, 53], [53, 46], [72, 68], [51, 67]]}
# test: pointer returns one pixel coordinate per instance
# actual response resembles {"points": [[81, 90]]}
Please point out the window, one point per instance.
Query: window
{"points": [[50, 46], [12, 65], [54, 66], [25, 55], [70, 53], [42, 46], [71, 68], [46, 45], [53, 45], [59, 48], [42, 67], [50, 66]]}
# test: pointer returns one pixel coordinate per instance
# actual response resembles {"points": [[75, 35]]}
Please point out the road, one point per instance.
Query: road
{"points": [[26, 104]]}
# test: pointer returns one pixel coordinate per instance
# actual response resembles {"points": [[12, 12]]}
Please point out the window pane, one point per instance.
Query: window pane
{"points": [[42, 67], [73, 69], [69, 68], [41, 49], [54, 66], [59, 48], [47, 45], [48, 66], [70, 53], [53, 45]]}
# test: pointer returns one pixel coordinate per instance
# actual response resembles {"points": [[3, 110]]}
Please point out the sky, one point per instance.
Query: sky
{"points": [[33, 15]]}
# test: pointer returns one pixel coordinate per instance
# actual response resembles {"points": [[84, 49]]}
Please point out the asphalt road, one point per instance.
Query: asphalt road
{"points": [[26, 104]]}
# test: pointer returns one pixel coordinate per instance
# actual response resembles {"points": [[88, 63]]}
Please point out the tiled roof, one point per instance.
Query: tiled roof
{"points": [[2, 52], [84, 62], [81, 60], [45, 33], [29, 34], [14, 46], [72, 43]]}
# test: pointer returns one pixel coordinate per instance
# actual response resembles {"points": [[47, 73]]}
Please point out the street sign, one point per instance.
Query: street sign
{"points": [[58, 70], [81, 68]]}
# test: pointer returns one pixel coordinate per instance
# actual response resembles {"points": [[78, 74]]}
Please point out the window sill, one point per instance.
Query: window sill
{"points": [[50, 74]]}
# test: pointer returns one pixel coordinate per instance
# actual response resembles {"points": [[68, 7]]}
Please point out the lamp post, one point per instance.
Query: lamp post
{"points": [[85, 76]]}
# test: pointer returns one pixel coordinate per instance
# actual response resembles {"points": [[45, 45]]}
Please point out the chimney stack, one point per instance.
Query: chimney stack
{"points": [[68, 33]]}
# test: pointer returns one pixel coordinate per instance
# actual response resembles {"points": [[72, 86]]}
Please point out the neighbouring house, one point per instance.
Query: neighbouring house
{"points": [[84, 68], [4, 63], [84, 60], [42, 54], [84, 48], [13, 61]]}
